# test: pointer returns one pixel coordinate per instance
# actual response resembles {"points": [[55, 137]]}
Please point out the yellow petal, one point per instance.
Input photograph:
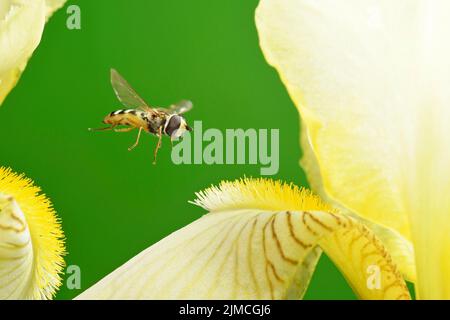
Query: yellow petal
{"points": [[400, 248], [52, 6], [21, 26], [246, 248], [8, 81], [370, 79], [31, 245]]}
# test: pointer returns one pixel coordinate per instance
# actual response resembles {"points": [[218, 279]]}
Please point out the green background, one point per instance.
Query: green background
{"points": [[114, 203]]}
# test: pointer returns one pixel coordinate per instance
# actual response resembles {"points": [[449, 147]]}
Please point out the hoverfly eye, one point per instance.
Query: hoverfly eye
{"points": [[174, 124]]}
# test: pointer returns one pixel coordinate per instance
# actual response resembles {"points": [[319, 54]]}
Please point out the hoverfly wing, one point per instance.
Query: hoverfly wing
{"points": [[126, 94], [180, 107]]}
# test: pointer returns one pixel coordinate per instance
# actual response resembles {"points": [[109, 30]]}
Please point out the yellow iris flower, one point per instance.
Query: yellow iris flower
{"points": [[21, 26], [370, 79], [31, 240], [260, 240]]}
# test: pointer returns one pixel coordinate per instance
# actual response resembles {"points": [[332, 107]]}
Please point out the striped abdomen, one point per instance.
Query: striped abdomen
{"points": [[127, 117]]}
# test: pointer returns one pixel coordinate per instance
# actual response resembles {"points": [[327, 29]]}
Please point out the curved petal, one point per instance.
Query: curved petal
{"points": [[400, 248], [327, 56], [8, 81], [253, 253], [16, 251], [370, 79], [21, 26], [31, 245], [52, 6]]}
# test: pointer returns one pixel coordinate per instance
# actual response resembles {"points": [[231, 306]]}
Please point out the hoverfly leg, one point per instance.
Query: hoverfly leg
{"points": [[157, 146], [124, 129], [102, 129], [137, 140]]}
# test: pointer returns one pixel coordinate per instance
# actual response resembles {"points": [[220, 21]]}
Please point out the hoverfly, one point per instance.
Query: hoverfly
{"points": [[139, 115]]}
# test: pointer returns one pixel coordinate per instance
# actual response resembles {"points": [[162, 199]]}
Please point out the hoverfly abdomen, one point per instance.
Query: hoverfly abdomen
{"points": [[126, 117], [123, 111]]}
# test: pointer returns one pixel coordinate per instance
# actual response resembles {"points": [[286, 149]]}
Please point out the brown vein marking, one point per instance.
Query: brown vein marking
{"points": [[279, 247], [13, 246], [320, 223], [14, 258], [20, 221], [11, 228], [292, 233], [267, 259], [250, 258], [385, 263], [275, 273], [349, 220], [307, 225], [338, 220], [270, 263]]}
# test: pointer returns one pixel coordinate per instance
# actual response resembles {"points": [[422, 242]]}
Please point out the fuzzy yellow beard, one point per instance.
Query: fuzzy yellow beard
{"points": [[31, 240]]}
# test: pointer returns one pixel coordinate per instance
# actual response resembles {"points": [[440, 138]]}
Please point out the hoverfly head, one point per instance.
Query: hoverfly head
{"points": [[176, 126]]}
